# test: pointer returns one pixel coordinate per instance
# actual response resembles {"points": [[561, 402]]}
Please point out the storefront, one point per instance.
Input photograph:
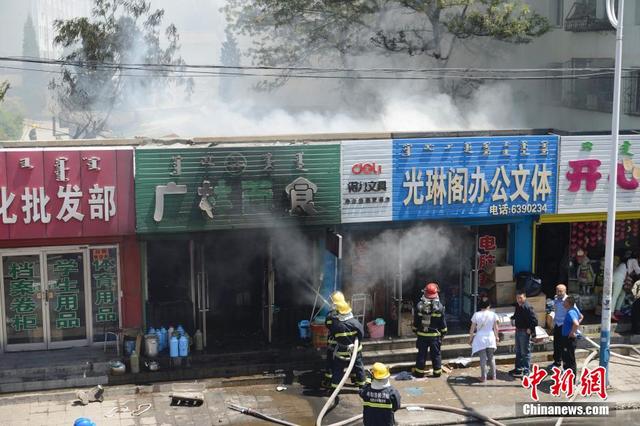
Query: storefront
{"points": [[570, 245], [419, 210], [233, 236], [69, 258]]}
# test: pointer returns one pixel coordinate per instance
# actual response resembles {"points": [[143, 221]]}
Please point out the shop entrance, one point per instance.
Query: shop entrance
{"points": [[58, 297]]}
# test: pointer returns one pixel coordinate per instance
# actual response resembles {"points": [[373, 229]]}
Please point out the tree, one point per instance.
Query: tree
{"points": [[34, 85], [294, 32], [11, 119], [4, 87], [230, 57], [97, 77]]}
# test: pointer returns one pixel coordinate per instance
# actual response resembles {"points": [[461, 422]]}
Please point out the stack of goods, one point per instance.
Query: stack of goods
{"points": [[506, 329], [501, 286]]}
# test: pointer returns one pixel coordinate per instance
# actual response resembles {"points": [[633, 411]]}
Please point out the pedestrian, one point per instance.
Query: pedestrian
{"points": [[526, 322], [332, 315], [633, 267], [635, 308], [380, 400], [569, 334], [430, 326], [345, 330], [483, 338], [558, 320]]}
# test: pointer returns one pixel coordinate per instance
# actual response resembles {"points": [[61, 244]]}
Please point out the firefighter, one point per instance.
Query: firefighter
{"points": [[332, 316], [379, 399], [345, 329], [430, 326]]}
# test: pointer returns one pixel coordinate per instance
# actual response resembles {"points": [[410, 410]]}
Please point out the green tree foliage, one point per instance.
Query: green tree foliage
{"points": [[34, 83], [118, 32], [11, 118], [292, 32]]}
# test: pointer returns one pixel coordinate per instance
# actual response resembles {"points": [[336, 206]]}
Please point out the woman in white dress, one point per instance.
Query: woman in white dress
{"points": [[483, 338]]}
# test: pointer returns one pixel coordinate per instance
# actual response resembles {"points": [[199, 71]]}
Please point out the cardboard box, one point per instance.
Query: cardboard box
{"points": [[503, 293], [500, 273], [505, 309], [542, 319], [538, 303]]}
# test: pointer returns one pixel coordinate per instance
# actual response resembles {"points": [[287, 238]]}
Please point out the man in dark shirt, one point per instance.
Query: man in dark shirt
{"points": [[526, 323]]}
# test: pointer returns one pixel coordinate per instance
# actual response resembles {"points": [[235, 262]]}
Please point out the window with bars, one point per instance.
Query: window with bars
{"points": [[588, 91], [632, 93]]}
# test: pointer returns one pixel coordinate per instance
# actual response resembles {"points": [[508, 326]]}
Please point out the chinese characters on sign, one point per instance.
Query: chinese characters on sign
{"points": [[583, 178], [366, 189], [592, 382], [68, 193], [23, 288], [66, 283], [467, 177], [104, 289]]}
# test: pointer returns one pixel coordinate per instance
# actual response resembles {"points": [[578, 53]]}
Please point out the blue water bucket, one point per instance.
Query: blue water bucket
{"points": [[174, 350], [304, 329]]}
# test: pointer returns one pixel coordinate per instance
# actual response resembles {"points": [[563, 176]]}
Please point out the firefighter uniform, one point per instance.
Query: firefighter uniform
{"points": [[430, 327], [345, 329], [331, 345], [379, 399]]}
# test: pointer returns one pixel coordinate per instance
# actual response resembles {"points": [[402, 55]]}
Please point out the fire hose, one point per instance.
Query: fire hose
{"points": [[593, 354], [336, 391]]}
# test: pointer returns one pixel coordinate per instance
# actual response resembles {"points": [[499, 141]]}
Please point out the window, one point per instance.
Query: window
{"points": [[556, 12], [585, 91], [637, 6], [632, 93], [587, 15]]}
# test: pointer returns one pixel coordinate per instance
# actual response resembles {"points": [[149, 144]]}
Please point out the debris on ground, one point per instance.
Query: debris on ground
{"points": [[281, 388], [404, 375], [95, 394], [187, 399]]}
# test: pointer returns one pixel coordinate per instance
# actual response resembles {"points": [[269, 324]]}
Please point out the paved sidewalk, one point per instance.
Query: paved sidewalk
{"points": [[296, 404]]}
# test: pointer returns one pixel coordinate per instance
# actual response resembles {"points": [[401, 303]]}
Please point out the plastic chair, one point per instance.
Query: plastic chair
{"points": [[115, 333]]}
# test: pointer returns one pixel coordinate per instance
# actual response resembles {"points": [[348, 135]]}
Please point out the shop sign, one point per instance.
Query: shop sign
{"points": [[474, 177], [194, 189], [66, 282], [47, 193], [583, 177], [24, 310], [366, 181], [104, 288]]}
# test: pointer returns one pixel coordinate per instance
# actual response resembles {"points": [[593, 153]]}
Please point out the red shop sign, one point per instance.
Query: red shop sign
{"points": [[46, 193]]}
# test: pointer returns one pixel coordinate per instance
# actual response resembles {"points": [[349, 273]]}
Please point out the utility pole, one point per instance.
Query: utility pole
{"points": [[607, 303]]}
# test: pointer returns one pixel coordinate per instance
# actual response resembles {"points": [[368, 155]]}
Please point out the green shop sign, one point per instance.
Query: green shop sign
{"points": [[194, 189]]}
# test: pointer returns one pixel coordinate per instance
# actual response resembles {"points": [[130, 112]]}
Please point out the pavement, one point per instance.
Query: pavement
{"points": [[300, 404]]}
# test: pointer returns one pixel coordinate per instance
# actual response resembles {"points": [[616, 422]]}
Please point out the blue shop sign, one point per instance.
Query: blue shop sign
{"points": [[474, 177]]}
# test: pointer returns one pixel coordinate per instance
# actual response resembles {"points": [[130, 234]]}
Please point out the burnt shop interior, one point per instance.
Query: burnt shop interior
{"points": [[240, 288], [573, 253], [384, 271]]}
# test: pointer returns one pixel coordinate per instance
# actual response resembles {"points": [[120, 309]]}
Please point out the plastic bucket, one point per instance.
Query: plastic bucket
{"points": [[303, 329], [319, 335], [375, 331]]}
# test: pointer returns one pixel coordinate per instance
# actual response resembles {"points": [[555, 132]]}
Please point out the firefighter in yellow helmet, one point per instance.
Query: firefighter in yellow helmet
{"points": [[379, 399], [345, 329], [332, 315]]}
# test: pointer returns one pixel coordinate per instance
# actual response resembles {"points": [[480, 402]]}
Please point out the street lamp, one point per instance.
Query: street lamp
{"points": [[607, 303]]}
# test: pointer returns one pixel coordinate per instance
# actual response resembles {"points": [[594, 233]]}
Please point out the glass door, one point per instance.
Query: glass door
{"points": [[469, 276], [22, 301], [66, 298]]}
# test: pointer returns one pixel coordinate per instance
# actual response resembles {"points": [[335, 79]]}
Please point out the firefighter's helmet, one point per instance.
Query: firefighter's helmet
{"points": [[343, 308], [380, 371], [431, 291], [337, 296]]}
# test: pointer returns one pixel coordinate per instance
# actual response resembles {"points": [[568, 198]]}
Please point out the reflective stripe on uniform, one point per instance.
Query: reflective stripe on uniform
{"points": [[328, 375], [429, 334], [329, 322], [347, 353], [331, 341], [377, 405], [444, 330], [346, 334], [439, 370], [417, 370], [434, 315]]}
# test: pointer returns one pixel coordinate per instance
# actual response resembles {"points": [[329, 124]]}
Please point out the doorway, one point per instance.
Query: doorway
{"points": [[58, 297]]}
